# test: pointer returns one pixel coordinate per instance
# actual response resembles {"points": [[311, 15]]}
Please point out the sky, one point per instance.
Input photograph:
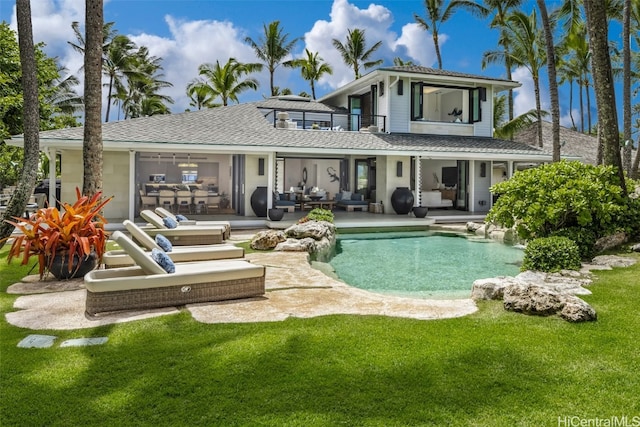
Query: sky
{"points": [[187, 33]]}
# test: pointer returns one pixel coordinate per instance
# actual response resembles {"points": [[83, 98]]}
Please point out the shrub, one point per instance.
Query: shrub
{"points": [[551, 254], [318, 215], [555, 196], [584, 238]]}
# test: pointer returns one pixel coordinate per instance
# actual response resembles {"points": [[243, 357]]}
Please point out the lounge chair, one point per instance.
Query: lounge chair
{"points": [[183, 235], [163, 213], [119, 258], [148, 285]]}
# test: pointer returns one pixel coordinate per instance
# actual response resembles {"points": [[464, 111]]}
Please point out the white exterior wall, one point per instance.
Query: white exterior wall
{"points": [[485, 127], [481, 194], [115, 182], [399, 117]]}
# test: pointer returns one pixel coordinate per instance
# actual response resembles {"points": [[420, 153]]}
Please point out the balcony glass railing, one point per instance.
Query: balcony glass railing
{"points": [[326, 121]]}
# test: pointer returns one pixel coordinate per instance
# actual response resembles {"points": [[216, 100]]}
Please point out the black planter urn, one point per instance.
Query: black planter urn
{"points": [[276, 214], [402, 200], [259, 201], [59, 267], [420, 211]]}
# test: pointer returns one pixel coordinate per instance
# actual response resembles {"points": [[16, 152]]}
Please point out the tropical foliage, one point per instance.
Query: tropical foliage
{"points": [[551, 254], [75, 233], [354, 51], [540, 202], [226, 82], [312, 67]]}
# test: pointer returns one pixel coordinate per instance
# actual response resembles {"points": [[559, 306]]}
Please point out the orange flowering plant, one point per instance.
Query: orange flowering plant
{"points": [[76, 233]]}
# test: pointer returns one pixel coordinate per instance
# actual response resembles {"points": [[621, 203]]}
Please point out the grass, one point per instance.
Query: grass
{"points": [[492, 368]]}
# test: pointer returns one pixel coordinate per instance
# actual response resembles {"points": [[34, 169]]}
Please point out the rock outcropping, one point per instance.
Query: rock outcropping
{"points": [[312, 236], [545, 294]]}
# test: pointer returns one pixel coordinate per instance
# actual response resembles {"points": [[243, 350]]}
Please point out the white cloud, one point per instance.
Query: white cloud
{"points": [[193, 43], [418, 45]]}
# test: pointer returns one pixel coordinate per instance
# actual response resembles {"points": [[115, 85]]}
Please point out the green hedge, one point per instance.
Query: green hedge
{"points": [[551, 254]]}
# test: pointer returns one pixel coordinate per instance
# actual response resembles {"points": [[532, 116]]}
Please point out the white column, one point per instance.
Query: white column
{"points": [[132, 185], [271, 163], [51, 154], [418, 201]]}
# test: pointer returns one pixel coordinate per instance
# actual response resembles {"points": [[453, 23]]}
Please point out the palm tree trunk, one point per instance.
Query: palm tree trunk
{"points": [[313, 90], [636, 163], [536, 89], [603, 86], [437, 47], [553, 82], [92, 145], [573, 122], [508, 65], [626, 89], [587, 86], [106, 116], [31, 119], [581, 107]]}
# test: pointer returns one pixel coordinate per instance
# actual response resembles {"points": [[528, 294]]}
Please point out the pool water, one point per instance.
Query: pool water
{"points": [[421, 264]]}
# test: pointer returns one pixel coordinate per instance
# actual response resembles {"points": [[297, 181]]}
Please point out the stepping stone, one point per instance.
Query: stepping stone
{"points": [[80, 342], [37, 341]]}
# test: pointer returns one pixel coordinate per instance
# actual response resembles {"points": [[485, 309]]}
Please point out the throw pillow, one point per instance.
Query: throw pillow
{"points": [[163, 260], [346, 195], [169, 222], [181, 218], [357, 196], [164, 243]]}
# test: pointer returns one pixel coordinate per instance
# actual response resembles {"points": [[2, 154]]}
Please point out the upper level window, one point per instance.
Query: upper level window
{"points": [[446, 104]]}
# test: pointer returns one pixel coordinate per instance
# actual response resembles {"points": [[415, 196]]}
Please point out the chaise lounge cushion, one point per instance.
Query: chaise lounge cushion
{"points": [[164, 243], [163, 260]]}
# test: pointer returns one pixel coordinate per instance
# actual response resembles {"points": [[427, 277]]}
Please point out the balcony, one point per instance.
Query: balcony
{"points": [[298, 119]]}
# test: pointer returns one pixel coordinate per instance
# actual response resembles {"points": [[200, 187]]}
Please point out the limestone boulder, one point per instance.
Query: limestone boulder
{"points": [[636, 247], [532, 299], [613, 261], [610, 242], [306, 244], [268, 239], [317, 230], [577, 310], [492, 288]]}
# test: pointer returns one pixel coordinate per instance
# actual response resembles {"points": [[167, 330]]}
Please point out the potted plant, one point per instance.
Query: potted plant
{"points": [[224, 200], [67, 244]]}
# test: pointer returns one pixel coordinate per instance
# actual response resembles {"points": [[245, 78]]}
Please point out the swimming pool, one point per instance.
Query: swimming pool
{"points": [[421, 264]]}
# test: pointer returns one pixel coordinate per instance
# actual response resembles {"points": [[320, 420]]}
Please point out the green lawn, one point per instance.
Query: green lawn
{"points": [[492, 368]]}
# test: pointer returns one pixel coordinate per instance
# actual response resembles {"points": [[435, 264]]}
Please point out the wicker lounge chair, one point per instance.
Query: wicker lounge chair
{"points": [[119, 258], [183, 235], [147, 285], [163, 213]]}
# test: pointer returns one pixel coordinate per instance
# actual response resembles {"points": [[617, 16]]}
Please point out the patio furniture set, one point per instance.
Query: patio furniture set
{"points": [[166, 263]]}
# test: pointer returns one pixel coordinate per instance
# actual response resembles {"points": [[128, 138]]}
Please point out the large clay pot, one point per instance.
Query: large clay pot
{"points": [[259, 201], [402, 200], [420, 211], [81, 266], [276, 214]]}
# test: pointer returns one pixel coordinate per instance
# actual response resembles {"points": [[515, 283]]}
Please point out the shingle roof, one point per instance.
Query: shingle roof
{"points": [[275, 103], [574, 144], [417, 69], [244, 125]]}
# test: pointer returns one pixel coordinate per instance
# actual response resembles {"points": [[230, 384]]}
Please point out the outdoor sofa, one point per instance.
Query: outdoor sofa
{"points": [[351, 201]]}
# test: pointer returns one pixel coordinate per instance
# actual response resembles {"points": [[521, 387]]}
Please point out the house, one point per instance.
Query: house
{"points": [[409, 126]]}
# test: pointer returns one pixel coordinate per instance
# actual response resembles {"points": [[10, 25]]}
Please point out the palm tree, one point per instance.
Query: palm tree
{"points": [[355, 53], [567, 73], [501, 9], [92, 143], [141, 96], [272, 48], [226, 81], [200, 95], [436, 16], [399, 62], [527, 51], [597, 27], [64, 97], [507, 129], [553, 80], [312, 68], [31, 118], [118, 64]]}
